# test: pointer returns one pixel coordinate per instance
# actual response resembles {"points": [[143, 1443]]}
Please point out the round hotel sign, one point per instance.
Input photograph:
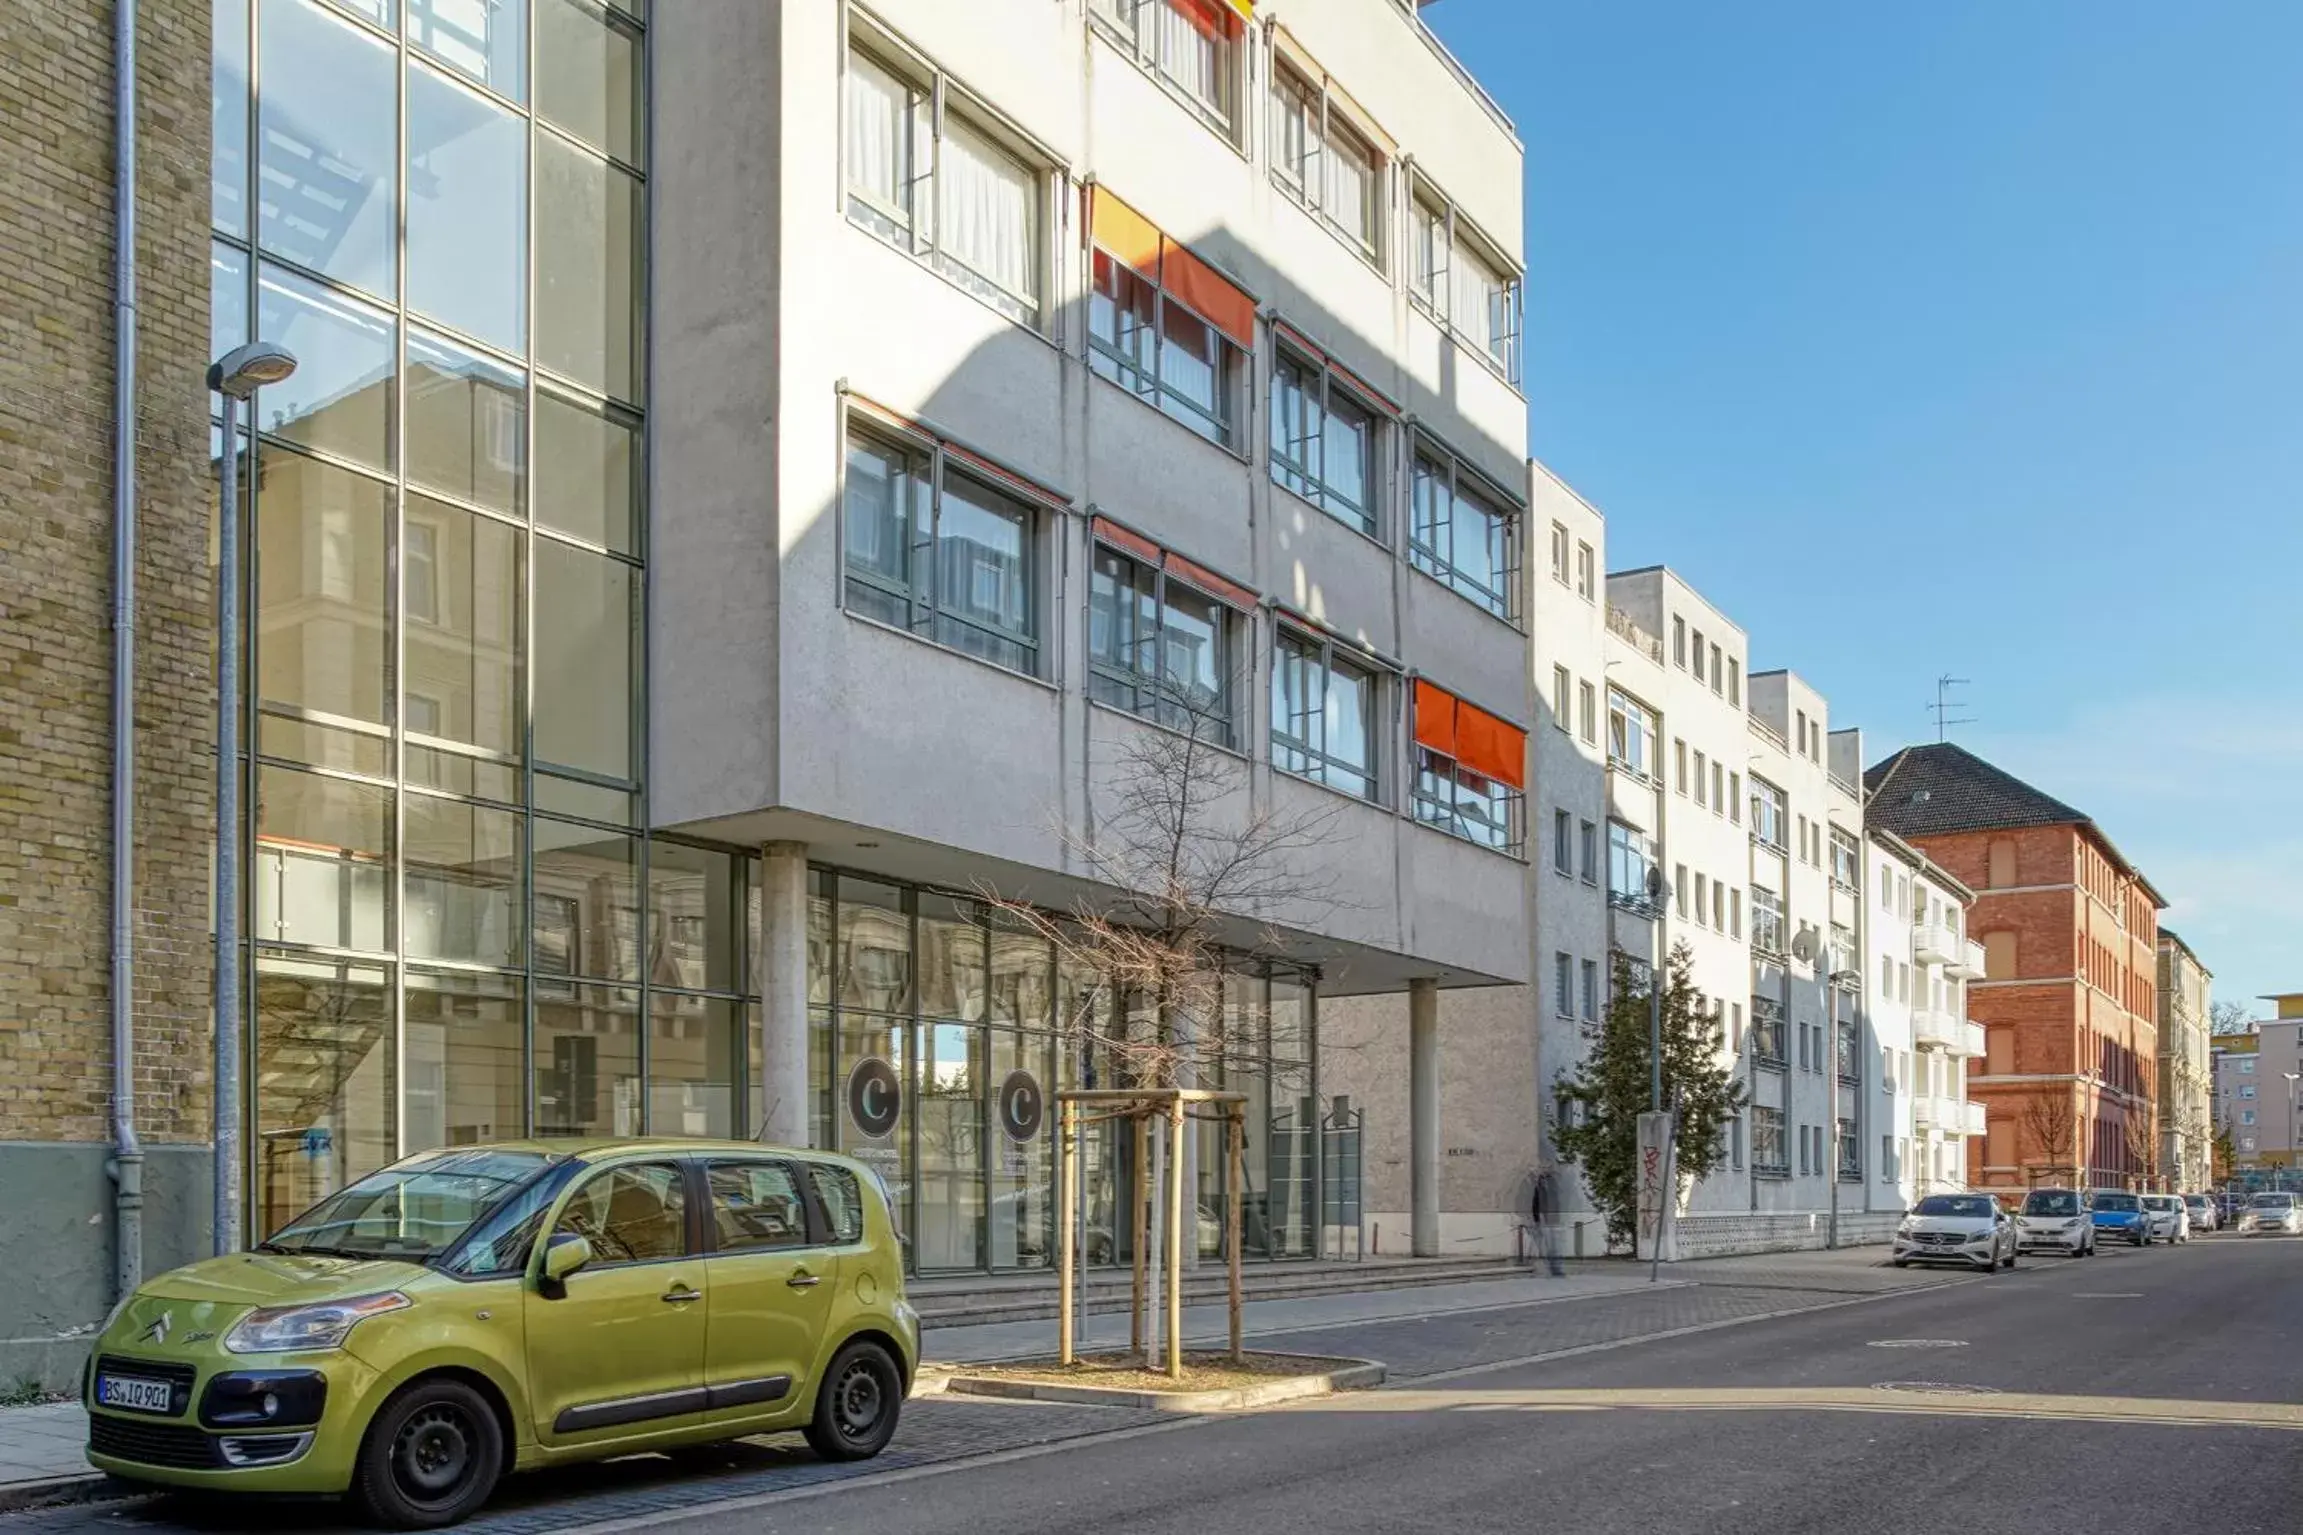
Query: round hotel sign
{"points": [[1020, 1106], [875, 1097]]}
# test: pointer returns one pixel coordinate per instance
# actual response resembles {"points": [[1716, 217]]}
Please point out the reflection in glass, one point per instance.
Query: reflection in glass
{"points": [[227, 302], [460, 584], [1291, 1150], [691, 917], [587, 906], [326, 123], [467, 424], [339, 399], [951, 1094], [587, 1056], [324, 634], [467, 210], [692, 1062], [951, 952], [885, 1039], [588, 77], [587, 473], [1023, 969], [323, 855], [467, 1076], [819, 941], [1019, 1223], [586, 801], [228, 118], [463, 883], [875, 950], [486, 39], [586, 615], [587, 269], [324, 1088], [295, 739]]}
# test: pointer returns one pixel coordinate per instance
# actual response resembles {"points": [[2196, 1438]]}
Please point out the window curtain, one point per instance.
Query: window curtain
{"points": [[1189, 41], [987, 211], [879, 135], [1477, 307]]}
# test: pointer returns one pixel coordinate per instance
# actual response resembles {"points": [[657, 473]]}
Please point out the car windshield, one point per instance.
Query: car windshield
{"points": [[2161, 1202], [410, 1210], [2273, 1201], [2121, 1202], [2196, 1201], [2046, 1202], [1974, 1207]]}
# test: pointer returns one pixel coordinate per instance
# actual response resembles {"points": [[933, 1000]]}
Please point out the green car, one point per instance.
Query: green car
{"points": [[478, 1309]]}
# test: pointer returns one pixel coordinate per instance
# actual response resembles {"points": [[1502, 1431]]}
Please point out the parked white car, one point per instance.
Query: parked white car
{"points": [[1968, 1229], [2273, 1215], [2202, 1213], [2055, 1221], [2170, 1222]]}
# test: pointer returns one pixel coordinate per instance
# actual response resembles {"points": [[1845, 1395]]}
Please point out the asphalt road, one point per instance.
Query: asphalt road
{"points": [[2159, 1391], [2103, 1377]]}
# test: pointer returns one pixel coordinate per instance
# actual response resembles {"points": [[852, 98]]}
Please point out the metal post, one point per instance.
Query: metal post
{"points": [[1067, 1199], [127, 1151], [1139, 1235], [1668, 1208], [1235, 1152], [225, 1222], [1655, 974], [1175, 1240]]}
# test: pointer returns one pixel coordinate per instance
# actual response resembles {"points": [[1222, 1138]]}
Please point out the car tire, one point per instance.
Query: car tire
{"points": [[431, 1456], [857, 1405]]}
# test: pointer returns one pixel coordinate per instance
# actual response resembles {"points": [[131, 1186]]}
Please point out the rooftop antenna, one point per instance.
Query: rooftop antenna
{"points": [[1945, 704]]}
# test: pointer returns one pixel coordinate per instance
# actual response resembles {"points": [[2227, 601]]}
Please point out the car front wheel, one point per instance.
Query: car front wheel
{"points": [[431, 1456], [857, 1405]]}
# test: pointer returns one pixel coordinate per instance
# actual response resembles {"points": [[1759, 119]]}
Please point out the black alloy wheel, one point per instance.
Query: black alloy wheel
{"points": [[858, 1404], [431, 1456]]}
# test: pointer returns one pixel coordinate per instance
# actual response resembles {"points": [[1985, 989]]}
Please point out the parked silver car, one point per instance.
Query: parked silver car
{"points": [[2170, 1222], [2055, 1221], [1967, 1229], [2200, 1211], [2273, 1215]]}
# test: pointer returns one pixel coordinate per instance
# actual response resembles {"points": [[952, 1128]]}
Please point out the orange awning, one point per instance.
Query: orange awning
{"points": [[1134, 239], [1126, 233], [1434, 718], [1476, 739]]}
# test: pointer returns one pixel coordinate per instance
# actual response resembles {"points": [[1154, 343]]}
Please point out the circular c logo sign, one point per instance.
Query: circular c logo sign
{"points": [[1020, 1106], [875, 1097]]}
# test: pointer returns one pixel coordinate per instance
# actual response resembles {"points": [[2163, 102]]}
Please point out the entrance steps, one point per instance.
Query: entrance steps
{"points": [[971, 1299]]}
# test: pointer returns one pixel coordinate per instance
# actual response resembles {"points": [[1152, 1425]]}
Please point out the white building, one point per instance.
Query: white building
{"points": [[1922, 959]]}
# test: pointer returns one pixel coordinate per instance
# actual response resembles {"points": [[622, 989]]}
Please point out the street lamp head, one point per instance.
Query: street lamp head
{"points": [[245, 369]]}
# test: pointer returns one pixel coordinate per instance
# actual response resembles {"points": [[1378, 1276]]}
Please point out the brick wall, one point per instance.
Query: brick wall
{"points": [[56, 443]]}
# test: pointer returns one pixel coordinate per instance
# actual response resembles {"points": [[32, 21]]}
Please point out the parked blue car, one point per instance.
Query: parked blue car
{"points": [[2120, 1218]]}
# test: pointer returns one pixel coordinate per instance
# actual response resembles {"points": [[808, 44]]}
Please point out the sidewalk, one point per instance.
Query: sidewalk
{"points": [[40, 1446]]}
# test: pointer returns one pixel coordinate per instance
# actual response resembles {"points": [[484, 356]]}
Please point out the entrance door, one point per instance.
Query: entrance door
{"points": [[621, 1353], [773, 1274]]}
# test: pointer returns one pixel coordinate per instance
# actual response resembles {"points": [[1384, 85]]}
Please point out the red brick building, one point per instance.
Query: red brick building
{"points": [[2068, 1002]]}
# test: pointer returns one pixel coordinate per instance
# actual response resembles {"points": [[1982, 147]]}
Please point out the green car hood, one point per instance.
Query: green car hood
{"points": [[279, 1279]]}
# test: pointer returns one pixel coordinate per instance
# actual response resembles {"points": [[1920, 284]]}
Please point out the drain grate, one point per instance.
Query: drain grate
{"points": [[1917, 1343], [1935, 1387]]}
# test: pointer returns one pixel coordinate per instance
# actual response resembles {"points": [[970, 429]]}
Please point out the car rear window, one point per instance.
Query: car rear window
{"points": [[2273, 1201], [843, 1200]]}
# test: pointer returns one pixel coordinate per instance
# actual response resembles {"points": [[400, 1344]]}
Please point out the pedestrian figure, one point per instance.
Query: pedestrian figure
{"points": [[1544, 1208]]}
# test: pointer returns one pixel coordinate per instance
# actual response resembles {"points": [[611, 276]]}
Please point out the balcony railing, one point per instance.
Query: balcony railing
{"points": [[1623, 627], [1969, 966], [1935, 942], [1767, 733], [1973, 1049], [1947, 1116]]}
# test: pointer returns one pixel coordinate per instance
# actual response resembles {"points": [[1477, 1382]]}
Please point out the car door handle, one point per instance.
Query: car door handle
{"points": [[681, 1295], [801, 1279]]}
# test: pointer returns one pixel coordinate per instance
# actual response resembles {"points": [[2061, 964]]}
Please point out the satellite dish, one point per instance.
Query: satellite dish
{"points": [[1803, 945]]}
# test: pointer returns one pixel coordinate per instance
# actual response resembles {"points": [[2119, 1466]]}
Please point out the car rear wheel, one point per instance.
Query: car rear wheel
{"points": [[857, 1405], [431, 1456]]}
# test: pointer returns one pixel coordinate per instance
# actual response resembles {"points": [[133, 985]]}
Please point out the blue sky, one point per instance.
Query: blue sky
{"points": [[1962, 337]]}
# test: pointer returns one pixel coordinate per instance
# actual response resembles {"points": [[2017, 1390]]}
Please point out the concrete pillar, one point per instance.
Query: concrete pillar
{"points": [[1423, 1115], [783, 969]]}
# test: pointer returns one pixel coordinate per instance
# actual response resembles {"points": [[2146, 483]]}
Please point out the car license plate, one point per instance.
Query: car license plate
{"points": [[133, 1394]]}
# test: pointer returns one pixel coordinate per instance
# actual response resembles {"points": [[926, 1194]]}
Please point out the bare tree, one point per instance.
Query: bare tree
{"points": [[2227, 1017], [2053, 1125], [2141, 1145], [1191, 868]]}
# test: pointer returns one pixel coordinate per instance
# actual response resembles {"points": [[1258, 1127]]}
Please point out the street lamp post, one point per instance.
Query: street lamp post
{"points": [[237, 375], [2291, 1076]]}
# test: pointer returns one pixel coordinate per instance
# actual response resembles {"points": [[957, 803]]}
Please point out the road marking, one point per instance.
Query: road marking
{"points": [[1916, 1343], [1934, 1387], [2106, 1294]]}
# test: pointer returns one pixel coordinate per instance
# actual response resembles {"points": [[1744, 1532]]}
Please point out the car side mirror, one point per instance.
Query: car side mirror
{"points": [[565, 1253]]}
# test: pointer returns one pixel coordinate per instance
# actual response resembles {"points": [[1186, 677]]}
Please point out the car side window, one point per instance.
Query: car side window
{"points": [[634, 1214], [842, 1198], [757, 1206]]}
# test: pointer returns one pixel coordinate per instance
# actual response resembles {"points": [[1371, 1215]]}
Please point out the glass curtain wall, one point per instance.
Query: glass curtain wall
{"points": [[458, 931], [963, 1005]]}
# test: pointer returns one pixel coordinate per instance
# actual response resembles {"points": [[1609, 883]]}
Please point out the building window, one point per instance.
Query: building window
{"points": [[1166, 326], [1629, 858], [1735, 682], [1591, 990], [1767, 1032], [1192, 46], [1563, 984], [1463, 533], [1715, 669], [1718, 789], [1324, 163], [1586, 573], [2247, 1116], [1630, 734], [2247, 1065], [1679, 888], [1323, 714], [1559, 542], [1767, 814], [1587, 840], [1697, 653], [1768, 1152], [1463, 284], [1702, 898], [1846, 862], [1735, 798], [1734, 913], [1678, 640], [1470, 770], [1563, 842], [1766, 921], [929, 180], [1679, 764], [1160, 644], [1702, 777], [1325, 440], [1559, 690], [939, 553], [420, 570], [1587, 711]]}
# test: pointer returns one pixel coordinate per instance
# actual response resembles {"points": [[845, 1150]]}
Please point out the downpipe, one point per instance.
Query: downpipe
{"points": [[127, 1161]]}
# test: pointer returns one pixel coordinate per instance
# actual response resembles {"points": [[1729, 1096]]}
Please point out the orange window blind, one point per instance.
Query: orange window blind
{"points": [[1134, 239], [1490, 747]]}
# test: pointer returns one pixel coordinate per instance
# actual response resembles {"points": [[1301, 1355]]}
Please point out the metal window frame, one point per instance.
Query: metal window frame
{"points": [[1314, 486], [1110, 361], [1510, 517], [1446, 813], [1318, 763], [1145, 693]]}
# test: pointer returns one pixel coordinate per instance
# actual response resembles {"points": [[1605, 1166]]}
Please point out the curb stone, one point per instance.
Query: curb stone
{"points": [[58, 1491]]}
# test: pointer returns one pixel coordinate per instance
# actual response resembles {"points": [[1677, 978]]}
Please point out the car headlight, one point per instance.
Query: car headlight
{"points": [[290, 1329], [1903, 1230]]}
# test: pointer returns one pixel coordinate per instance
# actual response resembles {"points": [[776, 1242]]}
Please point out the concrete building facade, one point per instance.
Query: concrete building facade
{"points": [[1923, 957], [2258, 1084], [2186, 1082], [2070, 935]]}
